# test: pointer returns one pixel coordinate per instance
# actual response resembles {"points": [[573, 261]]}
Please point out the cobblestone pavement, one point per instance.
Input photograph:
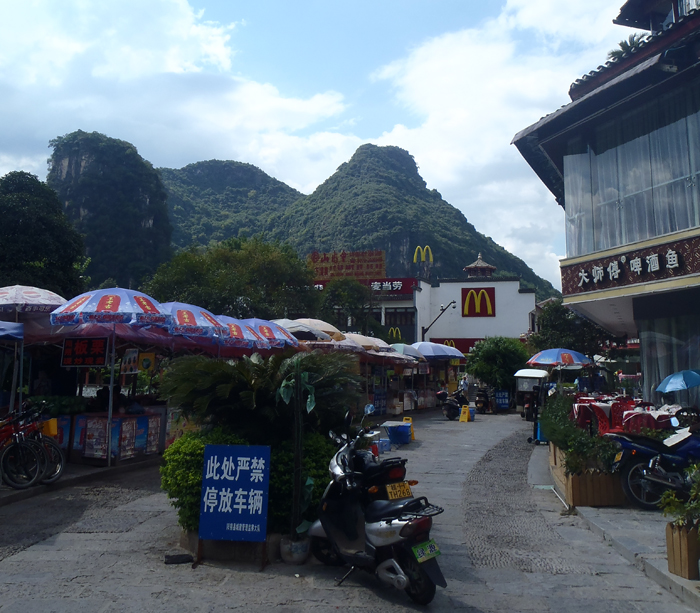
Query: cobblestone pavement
{"points": [[506, 547]]}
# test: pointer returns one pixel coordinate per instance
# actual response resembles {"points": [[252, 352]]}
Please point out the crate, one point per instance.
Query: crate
{"points": [[384, 445]]}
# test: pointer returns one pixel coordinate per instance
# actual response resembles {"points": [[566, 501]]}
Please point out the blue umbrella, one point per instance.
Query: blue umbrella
{"points": [[678, 381], [559, 357], [436, 351]]}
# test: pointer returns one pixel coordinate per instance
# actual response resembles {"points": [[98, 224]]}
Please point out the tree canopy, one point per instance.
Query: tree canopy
{"points": [[239, 277], [560, 327], [344, 298], [38, 245], [496, 359]]}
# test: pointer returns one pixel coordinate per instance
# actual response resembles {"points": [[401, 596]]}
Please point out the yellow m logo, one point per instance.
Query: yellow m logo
{"points": [[449, 343], [477, 302], [394, 333], [423, 251]]}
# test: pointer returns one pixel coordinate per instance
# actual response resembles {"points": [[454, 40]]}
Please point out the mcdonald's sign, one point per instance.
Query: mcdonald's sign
{"points": [[423, 251], [449, 343], [479, 302], [394, 333]]}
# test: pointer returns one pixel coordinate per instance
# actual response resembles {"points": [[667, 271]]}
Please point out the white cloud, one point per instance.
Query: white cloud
{"points": [[471, 91]]}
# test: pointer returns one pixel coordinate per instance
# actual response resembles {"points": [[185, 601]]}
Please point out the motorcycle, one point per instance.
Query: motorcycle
{"points": [[452, 403], [389, 538], [481, 402], [648, 467]]}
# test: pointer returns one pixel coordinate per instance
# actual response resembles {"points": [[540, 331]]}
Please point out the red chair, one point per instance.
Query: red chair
{"points": [[603, 421], [617, 410]]}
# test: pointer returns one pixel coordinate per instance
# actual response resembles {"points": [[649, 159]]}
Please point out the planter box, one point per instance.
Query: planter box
{"points": [[683, 551], [234, 551], [588, 489]]}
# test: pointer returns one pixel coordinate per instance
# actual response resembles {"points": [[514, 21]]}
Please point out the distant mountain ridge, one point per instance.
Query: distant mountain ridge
{"points": [[376, 200]]}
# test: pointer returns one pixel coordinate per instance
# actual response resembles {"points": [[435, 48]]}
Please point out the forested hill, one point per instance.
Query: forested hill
{"points": [[216, 200], [377, 200]]}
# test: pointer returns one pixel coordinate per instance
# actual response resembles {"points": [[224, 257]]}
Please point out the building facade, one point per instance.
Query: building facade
{"points": [[623, 160]]}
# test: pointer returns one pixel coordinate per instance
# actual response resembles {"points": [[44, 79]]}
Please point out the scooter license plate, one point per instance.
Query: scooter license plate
{"points": [[618, 457], [426, 551], [396, 491]]}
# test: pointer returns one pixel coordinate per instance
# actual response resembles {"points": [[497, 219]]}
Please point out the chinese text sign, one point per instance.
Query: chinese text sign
{"points": [[235, 483]]}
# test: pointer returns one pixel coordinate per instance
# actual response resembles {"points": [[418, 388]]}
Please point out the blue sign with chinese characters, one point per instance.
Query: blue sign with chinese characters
{"points": [[235, 484], [502, 399]]}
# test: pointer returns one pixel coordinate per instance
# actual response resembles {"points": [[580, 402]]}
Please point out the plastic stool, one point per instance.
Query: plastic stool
{"points": [[409, 420]]}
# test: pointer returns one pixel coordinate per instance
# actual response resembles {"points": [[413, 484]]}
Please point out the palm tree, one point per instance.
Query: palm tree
{"points": [[626, 46]]}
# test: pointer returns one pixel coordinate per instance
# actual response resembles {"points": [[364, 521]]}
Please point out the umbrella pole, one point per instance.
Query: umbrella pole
{"points": [[21, 373], [111, 402]]}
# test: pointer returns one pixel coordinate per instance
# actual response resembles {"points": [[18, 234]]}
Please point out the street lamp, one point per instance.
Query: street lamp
{"points": [[452, 304]]}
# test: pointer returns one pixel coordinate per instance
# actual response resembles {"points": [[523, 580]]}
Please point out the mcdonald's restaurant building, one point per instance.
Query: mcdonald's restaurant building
{"points": [[458, 312], [623, 160]]}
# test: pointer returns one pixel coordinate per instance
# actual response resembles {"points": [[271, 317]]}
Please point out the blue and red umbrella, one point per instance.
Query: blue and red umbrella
{"points": [[240, 335], [191, 320], [559, 357], [274, 334], [112, 306]]}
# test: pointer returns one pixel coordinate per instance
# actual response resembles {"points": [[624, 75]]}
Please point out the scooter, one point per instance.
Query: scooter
{"points": [[481, 402], [452, 404], [389, 538], [648, 467]]}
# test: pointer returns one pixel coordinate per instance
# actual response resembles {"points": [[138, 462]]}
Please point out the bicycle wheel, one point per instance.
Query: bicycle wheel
{"points": [[20, 465], [54, 468], [41, 453]]}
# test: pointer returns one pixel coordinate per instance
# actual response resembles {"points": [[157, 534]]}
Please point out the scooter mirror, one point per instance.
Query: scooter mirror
{"points": [[369, 409], [674, 422]]}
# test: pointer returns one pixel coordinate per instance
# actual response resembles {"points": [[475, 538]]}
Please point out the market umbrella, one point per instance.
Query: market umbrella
{"points": [[559, 357], [273, 333], [25, 299], [408, 350], [323, 326], [239, 335], [301, 331], [682, 380], [113, 306], [367, 342], [436, 351]]}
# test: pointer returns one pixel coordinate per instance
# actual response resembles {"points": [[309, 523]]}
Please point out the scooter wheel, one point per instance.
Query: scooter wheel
{"points": [[324, 552], [421, 589], [640, 492]]}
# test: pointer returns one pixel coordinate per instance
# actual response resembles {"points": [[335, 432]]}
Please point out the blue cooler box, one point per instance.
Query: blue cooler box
{"points": [[400, 435]]}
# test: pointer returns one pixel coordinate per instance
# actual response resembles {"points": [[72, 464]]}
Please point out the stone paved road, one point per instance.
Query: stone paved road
{"points": [[506, 547]]}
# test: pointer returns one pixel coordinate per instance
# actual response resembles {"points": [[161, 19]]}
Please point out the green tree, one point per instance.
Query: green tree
{"points": [[240, 277], [560, 327], [626, 46], [243, 397], [38, 245], [496, 359], [344, 298]]}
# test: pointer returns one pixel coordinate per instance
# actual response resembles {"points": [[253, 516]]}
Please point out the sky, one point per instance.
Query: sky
{"points": [[296, 87]]}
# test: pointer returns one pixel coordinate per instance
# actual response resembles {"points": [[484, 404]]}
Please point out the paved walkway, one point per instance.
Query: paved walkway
{"points": [[506, 546]]}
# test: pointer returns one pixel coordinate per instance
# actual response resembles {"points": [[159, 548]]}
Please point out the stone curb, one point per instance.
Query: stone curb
{"points": [[68, 480]]}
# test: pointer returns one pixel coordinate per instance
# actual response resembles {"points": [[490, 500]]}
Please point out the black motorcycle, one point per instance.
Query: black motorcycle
{"points": [[452, 403]]}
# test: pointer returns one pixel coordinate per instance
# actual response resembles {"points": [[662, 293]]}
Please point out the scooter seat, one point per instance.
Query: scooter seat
{"points": [[383, 510]]}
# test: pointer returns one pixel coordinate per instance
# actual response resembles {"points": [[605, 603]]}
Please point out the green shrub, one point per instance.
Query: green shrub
{"points": [[181, 473], [318, 451], [685, 513], [583, 450]]}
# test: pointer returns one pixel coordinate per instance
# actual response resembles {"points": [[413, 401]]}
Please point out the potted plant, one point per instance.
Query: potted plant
{"points": [[683, 549]]}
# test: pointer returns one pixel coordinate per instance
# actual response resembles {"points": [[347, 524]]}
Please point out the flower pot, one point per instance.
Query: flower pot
{"points": [[683, 551], [295, 552]]}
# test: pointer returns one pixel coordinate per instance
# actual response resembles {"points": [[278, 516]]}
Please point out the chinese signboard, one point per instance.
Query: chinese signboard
{"points": [[636, 266], [235, 484], [399, 288], [478, 302], [84, 352], [354, 264]]}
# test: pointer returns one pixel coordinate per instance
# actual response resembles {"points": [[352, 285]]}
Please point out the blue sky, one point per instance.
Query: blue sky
{"points": [[296, 87]]}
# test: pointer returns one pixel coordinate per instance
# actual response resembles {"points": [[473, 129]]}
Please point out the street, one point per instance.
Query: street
{"points": [[506, 546]]}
